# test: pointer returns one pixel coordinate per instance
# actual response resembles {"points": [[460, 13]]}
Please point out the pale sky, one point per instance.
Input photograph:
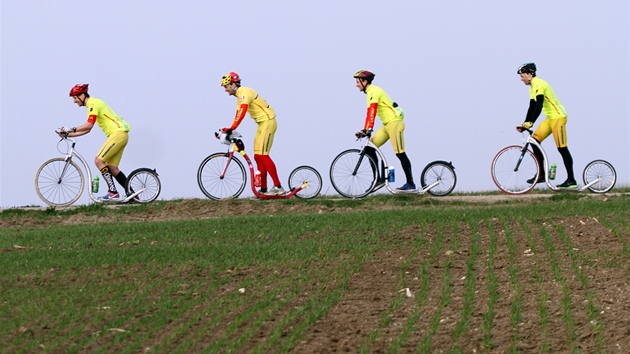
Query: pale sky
{"points": [[451, 65]]}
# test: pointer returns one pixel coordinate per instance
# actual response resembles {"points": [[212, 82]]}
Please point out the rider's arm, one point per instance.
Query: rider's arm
{"points": [[240, 114], [82, 129], [371, 115], [535, 107]]}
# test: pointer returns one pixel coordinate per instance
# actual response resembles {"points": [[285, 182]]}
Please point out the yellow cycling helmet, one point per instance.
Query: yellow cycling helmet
{"points": [[232, 77]]}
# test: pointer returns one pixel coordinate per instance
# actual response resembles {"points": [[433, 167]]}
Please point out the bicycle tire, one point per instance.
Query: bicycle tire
{"points": [[308, 175], [505, 175], [442, 172], [350, 184], [145, 180], [209, 177], [59, 183], [602, 171]]}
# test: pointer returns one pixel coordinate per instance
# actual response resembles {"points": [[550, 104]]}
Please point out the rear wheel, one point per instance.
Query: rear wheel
{"points": [[513, 169], [309, 178], [221, 177], [353, 175], [602, 174], [59, 182], [440, 173], [146, 183]]}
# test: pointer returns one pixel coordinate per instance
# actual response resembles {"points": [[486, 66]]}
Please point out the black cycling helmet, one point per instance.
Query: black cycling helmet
{"points": [[527, 68], [364, 74]]}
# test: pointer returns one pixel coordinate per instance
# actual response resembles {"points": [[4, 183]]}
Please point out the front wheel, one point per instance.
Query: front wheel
{"points": [[514, 170], [601, 174], [146, 183], [442, 175], [59, 182], [352, 174], [309, 178], [221, 176]]}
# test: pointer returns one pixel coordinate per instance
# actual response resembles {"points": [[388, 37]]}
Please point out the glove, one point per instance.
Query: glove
{"points": [[361, 133], [62, 132], [227, 131], [525, 125]]}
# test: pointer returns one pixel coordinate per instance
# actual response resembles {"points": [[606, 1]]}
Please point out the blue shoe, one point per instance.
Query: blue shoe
{"points": [[110, 197], [407, 187]]}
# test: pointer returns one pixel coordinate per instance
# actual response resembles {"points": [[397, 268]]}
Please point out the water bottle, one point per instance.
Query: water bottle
{"points": [[552, 171], [391, 177], [257, 178], [95, 184]]}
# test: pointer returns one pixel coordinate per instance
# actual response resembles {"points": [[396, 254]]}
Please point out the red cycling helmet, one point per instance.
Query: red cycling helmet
{"points": [[79, 89], [232, 77], [364, 74]]}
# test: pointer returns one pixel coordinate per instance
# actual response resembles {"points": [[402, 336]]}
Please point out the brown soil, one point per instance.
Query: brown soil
{"points": [[364, 315], [206, 209]]}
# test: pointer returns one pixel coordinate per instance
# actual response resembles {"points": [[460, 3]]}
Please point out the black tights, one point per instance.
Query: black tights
{"points": [[566, 158], [122, 179], [568, 162], [406, 165], [404, 161]]}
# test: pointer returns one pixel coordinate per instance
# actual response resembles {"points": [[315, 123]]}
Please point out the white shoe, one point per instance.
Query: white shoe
{"points": [[276, 190]]}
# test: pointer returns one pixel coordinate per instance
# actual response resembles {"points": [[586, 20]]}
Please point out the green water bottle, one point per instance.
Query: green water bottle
{"points": [[552, 171], [95, 184]]}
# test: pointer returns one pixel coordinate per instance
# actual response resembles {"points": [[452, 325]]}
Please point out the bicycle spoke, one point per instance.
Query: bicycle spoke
{"points": [[600, 176], [217, 186], [308, 175], [440, 173], [510, 179], [350, 184], [145, 184], [59, 182]]}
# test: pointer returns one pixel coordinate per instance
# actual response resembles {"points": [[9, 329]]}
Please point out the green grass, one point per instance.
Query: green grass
{"points": [[480, 273]]}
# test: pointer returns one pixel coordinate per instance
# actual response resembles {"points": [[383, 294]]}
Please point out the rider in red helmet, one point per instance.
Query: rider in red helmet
{"points": [[248, 100], [391, 115], [115, 128]]}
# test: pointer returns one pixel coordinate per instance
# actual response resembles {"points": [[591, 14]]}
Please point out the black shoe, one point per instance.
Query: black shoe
{"points": [[378, 185], [531, 180], [569, 184]]}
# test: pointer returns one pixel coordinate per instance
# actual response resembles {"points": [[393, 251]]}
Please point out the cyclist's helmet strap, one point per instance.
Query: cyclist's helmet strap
{"points": [[364, 75], [230, 78], [527, 68]]}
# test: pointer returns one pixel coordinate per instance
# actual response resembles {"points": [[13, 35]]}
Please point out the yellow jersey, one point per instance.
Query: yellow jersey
{"points": [[552, 107], [257, 107], [101, 114], [387, 109]]}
